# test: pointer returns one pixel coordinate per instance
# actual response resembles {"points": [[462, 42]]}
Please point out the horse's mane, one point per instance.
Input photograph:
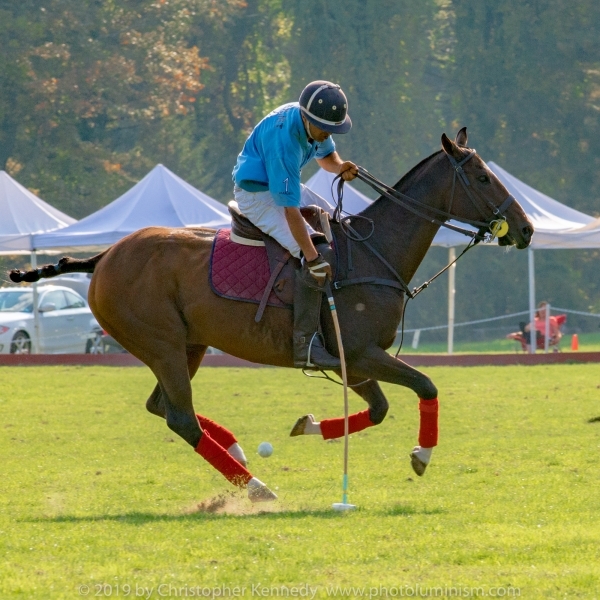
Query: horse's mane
{"points": [[408, 175]]}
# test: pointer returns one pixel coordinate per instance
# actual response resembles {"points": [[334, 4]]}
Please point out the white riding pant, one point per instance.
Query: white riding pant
{"points": [[269, 217]]}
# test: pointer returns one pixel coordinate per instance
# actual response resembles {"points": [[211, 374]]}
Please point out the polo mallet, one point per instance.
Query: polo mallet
{"points": [[343, 505]]}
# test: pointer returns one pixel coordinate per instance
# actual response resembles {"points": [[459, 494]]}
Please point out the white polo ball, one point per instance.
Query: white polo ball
{"points": [[265, 449]]}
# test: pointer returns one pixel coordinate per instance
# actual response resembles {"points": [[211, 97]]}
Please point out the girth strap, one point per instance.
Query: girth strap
{"points": [[367, 280]]}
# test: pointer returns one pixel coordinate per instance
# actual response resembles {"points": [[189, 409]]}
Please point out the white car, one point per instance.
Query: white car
{"points": [[66, 323], [79, 282]]}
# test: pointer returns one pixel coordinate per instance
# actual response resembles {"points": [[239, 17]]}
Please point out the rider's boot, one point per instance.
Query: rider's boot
{"points": [[309, 351]]}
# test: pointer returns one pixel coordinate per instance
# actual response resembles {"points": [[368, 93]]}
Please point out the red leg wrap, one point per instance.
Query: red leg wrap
{"points": [[428, 431], [221, 460], [217, 432], [334, 428]]}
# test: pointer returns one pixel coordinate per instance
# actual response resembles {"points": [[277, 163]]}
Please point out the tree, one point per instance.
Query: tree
{"points": [[95, 79], [380, 53], [248, 77], [527, 81]]}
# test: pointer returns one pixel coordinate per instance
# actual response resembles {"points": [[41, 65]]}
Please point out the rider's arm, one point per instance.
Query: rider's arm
{"points": [[297, 226], [334, 164]]}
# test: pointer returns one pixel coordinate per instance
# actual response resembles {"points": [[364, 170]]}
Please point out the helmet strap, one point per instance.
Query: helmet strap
{"points": [[306, 127]]}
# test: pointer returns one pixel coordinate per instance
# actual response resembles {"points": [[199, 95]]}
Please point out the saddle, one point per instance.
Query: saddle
{"points": [[238, 269]]}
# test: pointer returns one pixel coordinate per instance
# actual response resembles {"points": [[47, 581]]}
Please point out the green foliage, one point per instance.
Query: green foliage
{"points": [[97, 83], [96, 491], [527, 81], [380, 54]]}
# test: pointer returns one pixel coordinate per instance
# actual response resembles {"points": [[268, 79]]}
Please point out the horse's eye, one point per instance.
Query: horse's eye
{"points": [[484, 179]]}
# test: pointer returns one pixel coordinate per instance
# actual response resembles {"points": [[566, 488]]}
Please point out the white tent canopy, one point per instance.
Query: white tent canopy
{"points": [[353, 202], [23, 214], [587, 236], [556, 225], [161, 198]]}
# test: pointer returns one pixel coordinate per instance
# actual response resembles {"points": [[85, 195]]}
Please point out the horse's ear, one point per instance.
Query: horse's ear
{"points": [[450, 147], [462, 138]]}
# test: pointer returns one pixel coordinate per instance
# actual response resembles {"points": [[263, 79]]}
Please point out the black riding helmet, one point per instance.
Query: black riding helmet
{"points": [[325, 105]]}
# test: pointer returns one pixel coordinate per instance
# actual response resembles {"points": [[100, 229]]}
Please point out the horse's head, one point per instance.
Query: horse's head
{"points": [[478, 195]]}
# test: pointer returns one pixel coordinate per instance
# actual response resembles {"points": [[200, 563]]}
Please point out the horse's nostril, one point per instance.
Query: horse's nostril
{"points": [[527, 232]]}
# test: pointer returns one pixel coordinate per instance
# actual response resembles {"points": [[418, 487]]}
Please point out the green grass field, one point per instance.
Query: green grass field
{"points": [[100, 499], [588, 342]]}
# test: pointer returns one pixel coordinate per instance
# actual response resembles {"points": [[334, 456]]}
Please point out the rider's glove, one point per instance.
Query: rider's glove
{"points": [[319, 270]]}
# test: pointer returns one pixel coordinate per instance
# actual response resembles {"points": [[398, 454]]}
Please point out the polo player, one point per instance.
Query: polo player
{"points": [[268, 191]]}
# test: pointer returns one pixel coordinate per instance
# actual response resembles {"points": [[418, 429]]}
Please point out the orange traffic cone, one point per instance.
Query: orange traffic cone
{"points": [[574, 342]]}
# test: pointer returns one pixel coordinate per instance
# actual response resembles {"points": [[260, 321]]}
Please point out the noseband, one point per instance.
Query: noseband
{"points": [[487, 230]]}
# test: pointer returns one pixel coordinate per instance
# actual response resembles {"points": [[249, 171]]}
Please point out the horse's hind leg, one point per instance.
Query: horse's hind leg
{"points": [[156, 402], [156, 405], [334, 428], [220, 434], [176, 398], [176, 393]]}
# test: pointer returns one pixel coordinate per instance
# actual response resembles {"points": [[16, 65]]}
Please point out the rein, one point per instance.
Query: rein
{"points": [[487, 231]]}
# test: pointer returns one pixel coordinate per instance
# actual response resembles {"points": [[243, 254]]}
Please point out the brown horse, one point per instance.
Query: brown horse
{"points": [[150, 291]]}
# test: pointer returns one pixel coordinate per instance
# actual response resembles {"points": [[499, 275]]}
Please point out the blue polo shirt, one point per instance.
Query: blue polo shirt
{"points": [[275, 153]]}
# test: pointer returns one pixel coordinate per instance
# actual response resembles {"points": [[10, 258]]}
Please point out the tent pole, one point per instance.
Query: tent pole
{"points": [[532, 333], [36, 312], [547, 330], [451, 294]]}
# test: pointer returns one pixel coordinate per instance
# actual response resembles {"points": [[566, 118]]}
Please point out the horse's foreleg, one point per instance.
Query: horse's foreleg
{"points": [[334, 428], [378, 364]]}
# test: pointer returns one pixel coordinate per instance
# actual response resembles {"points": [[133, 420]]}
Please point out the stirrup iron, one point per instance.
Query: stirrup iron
{"points": [[309, 364]]}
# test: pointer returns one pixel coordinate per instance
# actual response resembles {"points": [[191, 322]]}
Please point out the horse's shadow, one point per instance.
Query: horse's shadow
{"points": [[143, 518]]}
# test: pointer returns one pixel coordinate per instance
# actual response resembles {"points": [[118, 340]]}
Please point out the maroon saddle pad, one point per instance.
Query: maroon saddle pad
{"points": [[240, 272]]}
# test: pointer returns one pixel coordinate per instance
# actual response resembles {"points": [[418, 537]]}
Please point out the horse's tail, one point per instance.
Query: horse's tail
{"points": [[64, 265]]}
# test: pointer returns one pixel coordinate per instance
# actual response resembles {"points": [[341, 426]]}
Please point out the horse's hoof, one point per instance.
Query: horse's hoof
{"points": [[418, 466], [299, 427], [261, 494]]}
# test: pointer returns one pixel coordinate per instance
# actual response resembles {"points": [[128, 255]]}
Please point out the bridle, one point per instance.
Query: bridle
{"points": [[487, 230], [497, 227]]}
